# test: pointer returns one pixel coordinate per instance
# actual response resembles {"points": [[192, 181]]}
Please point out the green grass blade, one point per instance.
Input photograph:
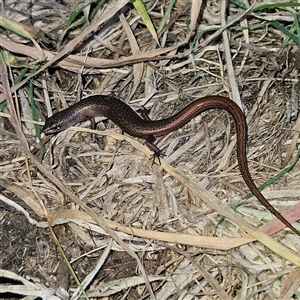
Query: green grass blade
{"points": [[142, 11]]}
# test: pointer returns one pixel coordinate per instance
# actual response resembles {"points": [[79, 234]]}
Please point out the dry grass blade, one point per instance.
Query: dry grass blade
{"points": [[231, 74], [25, 288], [24, 31], [75, 62], [293, 144], [290, 284], [137, 68], [195, 12], [25, 196]]}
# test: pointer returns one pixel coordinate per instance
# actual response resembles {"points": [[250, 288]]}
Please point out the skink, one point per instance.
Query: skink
{"points": [[130, 122]]}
